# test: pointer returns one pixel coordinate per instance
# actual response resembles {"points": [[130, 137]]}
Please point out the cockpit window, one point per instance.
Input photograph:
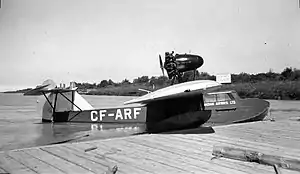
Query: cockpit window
{"points": [[223, 97], [210, 98]]}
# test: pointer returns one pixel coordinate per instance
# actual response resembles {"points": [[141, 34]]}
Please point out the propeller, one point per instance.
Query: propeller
{"points": [[161, 65]]}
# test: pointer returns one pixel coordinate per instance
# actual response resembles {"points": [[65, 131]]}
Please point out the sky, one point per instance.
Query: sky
{"points": [[93, 40]]}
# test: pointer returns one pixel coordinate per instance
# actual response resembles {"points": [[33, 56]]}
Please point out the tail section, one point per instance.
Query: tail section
{"points": [[47, 85], [59, 99]]}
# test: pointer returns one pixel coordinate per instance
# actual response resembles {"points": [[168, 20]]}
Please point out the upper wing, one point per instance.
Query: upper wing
{"points": [[176, 91], [41, 91]]}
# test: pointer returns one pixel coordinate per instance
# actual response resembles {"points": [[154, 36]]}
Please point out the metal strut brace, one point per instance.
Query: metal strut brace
{"points": [[74, 105], [53, 109]]}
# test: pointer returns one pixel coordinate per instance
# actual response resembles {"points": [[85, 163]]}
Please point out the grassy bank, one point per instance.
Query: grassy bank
{"points": [[285, 90]]}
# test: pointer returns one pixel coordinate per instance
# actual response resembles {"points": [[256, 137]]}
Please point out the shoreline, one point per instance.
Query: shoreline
{"points": [[276, 90]]}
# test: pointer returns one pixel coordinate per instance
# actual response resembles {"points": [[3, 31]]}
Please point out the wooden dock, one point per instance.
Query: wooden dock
{"points": [[178, 152]]}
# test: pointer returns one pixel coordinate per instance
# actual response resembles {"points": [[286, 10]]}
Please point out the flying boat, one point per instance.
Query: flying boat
{"points": [[165, 110], [178, 106]]}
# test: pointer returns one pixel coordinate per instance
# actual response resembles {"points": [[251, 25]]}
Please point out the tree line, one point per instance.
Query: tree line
{"points": [[288, 74]]}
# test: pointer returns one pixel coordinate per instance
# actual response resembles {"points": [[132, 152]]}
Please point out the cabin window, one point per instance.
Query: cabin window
{"points": [[210, 98], [223, 97]]}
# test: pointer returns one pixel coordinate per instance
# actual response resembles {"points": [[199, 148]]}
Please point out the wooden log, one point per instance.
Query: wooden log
{"points": [[254, 156]]}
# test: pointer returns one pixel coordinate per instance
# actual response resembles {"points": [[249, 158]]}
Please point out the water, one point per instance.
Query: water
{"points": [[21, 127]]}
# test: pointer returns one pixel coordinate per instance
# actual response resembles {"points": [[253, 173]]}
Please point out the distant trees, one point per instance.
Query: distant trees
{"points": [[125, 82], [143, 79], [288, 74], [291, 74], [103, 83]]}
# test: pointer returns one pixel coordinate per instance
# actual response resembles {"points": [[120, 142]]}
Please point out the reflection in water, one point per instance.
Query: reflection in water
{"points": [[53, 133]]}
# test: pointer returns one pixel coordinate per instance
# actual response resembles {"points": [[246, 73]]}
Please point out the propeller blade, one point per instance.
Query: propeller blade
{"points": [[161, 65]]}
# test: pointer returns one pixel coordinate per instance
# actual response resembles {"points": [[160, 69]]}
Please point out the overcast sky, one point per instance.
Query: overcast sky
{"points": [[92, 40]]}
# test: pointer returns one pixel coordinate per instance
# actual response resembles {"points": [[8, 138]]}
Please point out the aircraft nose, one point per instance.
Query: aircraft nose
{"points": [[199, 61]]}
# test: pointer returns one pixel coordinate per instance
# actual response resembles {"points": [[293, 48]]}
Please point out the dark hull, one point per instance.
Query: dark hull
{"points": [[181, 121], [151, 117], [247, 110], [259, 117]]}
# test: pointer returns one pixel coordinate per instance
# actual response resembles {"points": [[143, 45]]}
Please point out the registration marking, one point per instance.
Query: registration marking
{"points": [[118, 114]]}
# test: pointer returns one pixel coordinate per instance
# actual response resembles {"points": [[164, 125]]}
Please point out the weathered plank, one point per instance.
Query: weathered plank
{"points": [[60, 163], [200, 152], [122, 168], [162, 153], [163, 157], [265, 126], [2, 171], [263, 139], [275, 133], [12, 166], [131, 159], [199, 158], [194, 158], [217, 139], [235, 131], [98, 162], [269, 126], [89, 166], [33, 163], [103, 154]]}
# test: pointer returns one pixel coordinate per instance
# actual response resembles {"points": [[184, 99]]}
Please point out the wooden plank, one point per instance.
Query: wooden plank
{"points": [[264, 131], [200, 145], [122, 168], [33, 163], [2, 171], [163, 157], [254, 167], [89, 166], [199, 150], [131, 159], [97, 165], [103, 164], [256, 139], [252, 136], [60, 163], [264, 139], [196, 156], [217, 139], [282, 130], [12, 166], [103, 154], [288, 126]]}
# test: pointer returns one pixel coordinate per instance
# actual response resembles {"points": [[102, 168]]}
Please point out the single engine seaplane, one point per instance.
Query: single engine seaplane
{"points": [[182, 105], [177, 107]]}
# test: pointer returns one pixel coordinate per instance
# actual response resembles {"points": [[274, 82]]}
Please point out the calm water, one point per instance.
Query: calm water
{"points": [[21, 127]]}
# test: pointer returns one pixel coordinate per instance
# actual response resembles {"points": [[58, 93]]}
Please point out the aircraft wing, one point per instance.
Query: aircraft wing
{"points": [[186, 89], [41, 90]]}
